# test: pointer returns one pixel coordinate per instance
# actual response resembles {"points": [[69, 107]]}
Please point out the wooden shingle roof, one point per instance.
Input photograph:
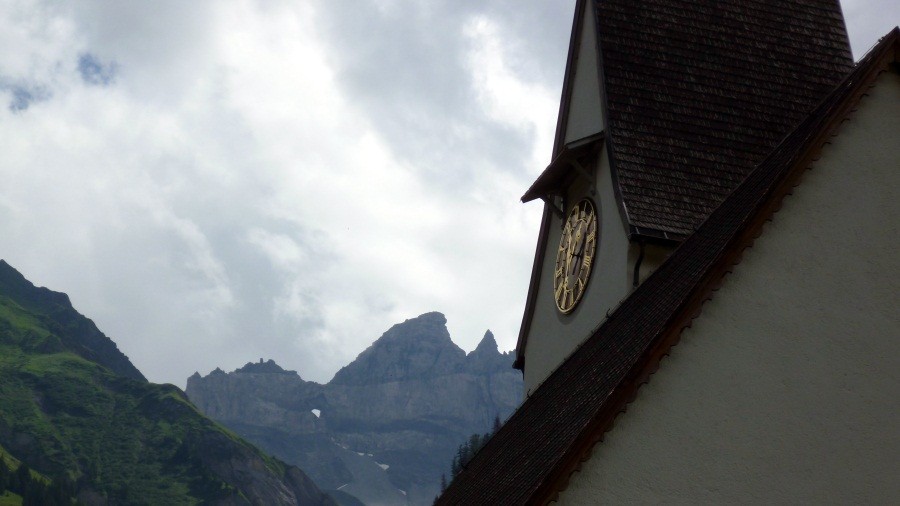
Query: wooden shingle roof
{"points": [[698, 92], [531, 457]]}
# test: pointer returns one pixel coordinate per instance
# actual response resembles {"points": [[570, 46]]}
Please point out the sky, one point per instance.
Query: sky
{"points": [[214, 182]]}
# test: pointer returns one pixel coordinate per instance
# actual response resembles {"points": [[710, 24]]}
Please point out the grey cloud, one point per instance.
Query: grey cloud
{"points": [[407, 69], [543, 30], [160, 47], [22, 96], [867, 21], [21, 99], [95, 72]]}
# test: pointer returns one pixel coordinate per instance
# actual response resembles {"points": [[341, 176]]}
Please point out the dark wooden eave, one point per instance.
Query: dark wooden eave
{"points": [[565, 166], [529, 460]]}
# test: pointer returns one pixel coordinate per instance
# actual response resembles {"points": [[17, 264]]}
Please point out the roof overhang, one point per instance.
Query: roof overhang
{"points": [[555, 177]]}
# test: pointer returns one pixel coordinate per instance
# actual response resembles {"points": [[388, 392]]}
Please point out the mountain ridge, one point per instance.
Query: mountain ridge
{"points": [[71, 404], [77, 333], [406, 402]]}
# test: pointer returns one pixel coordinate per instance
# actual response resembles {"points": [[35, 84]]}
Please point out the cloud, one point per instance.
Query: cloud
{"points": [[214, 182], [866, 22], [21, 97], [407, 66], [93, 71]]}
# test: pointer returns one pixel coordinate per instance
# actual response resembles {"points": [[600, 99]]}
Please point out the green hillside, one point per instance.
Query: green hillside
{"points": [[119, 439]]}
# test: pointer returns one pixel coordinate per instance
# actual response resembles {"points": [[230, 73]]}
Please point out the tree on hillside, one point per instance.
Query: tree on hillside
{"points": [[21, 481], [4, 475], [467, 450], [36, 491]]}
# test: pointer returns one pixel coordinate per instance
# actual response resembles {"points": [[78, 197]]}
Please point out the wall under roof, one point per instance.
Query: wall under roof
{"points": [[786, 389]]}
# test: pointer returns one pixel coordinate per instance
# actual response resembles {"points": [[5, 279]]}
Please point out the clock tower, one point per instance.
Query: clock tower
{"points": [[663, 113]]}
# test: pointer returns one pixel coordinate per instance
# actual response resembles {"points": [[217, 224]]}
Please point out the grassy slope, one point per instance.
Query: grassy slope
{"points": [[10, 499], [134, 441]]}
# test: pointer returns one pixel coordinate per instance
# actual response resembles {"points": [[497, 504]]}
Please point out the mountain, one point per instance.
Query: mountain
{"points": [[72, 405], [386, 427], [419, 348], [68, 330]]}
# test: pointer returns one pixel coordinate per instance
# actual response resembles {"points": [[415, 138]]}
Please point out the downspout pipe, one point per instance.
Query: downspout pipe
{"points": [[637, 266]]}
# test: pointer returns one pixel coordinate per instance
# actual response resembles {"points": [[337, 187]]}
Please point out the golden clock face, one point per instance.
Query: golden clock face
{"points": [[575, 256]]}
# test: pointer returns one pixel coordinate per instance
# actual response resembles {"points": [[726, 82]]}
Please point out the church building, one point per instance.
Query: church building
{"points": [[724, 178], [666, 107]]}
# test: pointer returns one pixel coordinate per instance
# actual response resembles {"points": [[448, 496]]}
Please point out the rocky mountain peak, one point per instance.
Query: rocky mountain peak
{"points": [[428, 327], [418, 347], [488, 345], [267, 367], [14, 284], [433, 317], [486, 357], [75, 332]]}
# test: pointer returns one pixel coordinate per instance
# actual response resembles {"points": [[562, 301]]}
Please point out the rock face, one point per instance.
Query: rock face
{"points": [[72, 404], [419, 348], [385, 428]]}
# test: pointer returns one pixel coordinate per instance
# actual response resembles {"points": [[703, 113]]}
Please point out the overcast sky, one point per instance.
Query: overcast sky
{"points": [[217, 181]]}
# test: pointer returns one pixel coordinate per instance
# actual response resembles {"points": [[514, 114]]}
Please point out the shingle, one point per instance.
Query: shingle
{"points": [[707, 88]]}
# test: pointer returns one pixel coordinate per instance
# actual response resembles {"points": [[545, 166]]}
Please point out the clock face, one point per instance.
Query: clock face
{"points": [[575, 256]]}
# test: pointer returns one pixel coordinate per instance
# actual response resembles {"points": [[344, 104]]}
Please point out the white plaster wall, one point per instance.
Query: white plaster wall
{"points": [[554, 336], [786, 390], [586, 116]]}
